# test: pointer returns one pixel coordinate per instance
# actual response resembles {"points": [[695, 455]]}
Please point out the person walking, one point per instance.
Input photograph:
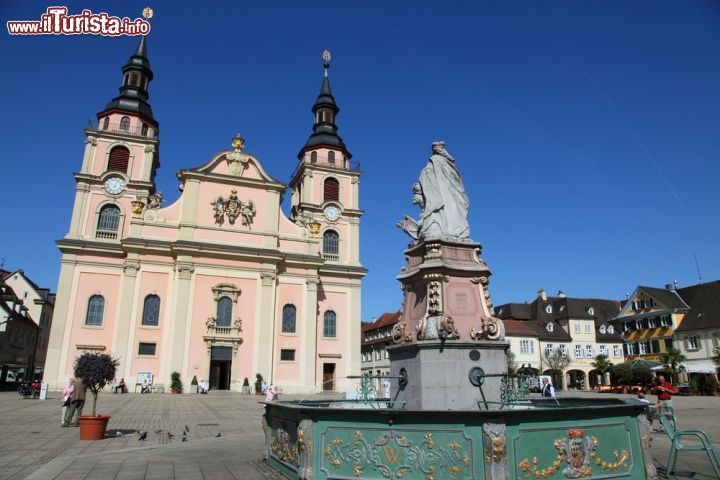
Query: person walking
{"points": [[78, 402], [547, 389], [66, 399]]}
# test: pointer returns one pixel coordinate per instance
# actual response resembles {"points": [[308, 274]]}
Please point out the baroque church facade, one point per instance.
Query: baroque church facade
{"points": [[220, 284]]}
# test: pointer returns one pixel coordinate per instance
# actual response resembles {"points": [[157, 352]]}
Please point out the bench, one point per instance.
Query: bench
{"points": [[669, 423]]}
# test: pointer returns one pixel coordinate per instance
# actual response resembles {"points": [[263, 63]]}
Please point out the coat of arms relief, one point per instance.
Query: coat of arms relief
{"points": [[232, 208]]}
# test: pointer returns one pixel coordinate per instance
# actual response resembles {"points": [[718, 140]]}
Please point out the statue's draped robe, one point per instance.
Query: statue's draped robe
{"points": [[446, 203]]}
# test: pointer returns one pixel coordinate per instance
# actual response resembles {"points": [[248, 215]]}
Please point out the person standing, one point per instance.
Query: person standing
{"points": [[664, 390], [78, 402], [547, 389], [66, 399]]}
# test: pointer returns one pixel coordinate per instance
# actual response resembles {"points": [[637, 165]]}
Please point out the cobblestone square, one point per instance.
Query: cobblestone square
{"points": [[33, 445]]}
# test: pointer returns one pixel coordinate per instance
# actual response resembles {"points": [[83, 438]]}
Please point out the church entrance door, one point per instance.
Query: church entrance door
{"points": [[328, 376], [220, 368]]}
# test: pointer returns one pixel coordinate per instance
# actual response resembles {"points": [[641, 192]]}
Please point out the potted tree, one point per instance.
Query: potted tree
{"points": [[194, 385], [246, 387], [258, 383], [175, 383], [95, 370]]}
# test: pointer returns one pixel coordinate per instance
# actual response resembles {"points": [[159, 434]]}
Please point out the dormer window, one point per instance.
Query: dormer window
{"points": [[550, 326], [591, 311], [610, 329], [603, 329], [548, 309]]}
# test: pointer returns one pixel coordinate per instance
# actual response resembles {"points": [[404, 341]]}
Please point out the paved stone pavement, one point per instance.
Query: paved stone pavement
{"points": [[32, 444]]}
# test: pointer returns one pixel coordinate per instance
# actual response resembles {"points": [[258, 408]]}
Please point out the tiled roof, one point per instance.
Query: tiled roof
{"points": [[667, 297], [519, 328], [385, 320], [704, 301]]}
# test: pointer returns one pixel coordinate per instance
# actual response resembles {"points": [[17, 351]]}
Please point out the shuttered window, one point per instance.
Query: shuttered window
{"points": [[119, 159], [331, 190]]}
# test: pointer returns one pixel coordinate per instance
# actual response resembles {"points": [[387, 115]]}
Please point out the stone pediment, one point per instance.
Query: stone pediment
{"points": [[233, 166]]}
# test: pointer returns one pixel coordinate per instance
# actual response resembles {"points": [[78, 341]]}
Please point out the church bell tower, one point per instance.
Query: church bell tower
{"points": [[326, 183]]}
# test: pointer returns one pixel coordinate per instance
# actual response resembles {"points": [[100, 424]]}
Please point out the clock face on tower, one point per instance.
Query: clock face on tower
{"points": [[331, 213], [114, 185]]}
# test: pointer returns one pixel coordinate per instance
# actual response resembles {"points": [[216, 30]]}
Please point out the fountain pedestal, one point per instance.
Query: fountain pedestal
{"points": [[447, 328], [439, 373]]}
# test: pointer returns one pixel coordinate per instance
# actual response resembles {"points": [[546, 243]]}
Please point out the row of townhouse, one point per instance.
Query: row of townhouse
{"points": [[26, 312], [375, 338], [647, 324], [563, 333], [653, 320]]}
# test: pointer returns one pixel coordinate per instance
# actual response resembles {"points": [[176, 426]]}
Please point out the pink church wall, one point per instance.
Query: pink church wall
{"points": [[164, 233], [89, 284], [289, 293], [337, 302], [171, 211]]}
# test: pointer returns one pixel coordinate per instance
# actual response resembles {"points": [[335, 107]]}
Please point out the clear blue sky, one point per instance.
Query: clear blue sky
{"points": [[587, 133]]}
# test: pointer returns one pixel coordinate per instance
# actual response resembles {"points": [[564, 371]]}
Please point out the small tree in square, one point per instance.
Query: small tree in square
{"points": [[95, 370]]}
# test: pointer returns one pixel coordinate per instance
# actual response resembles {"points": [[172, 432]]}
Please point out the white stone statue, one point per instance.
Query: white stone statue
{"points": [[442, 200]]}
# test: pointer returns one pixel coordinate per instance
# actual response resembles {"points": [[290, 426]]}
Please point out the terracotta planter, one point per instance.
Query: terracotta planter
{"points": [[93, 428], [174, 391]]}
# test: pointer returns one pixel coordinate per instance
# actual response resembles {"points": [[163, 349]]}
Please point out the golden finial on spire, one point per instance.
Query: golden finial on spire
{"points": [[147, 13], [326, 56], [238, 143]]}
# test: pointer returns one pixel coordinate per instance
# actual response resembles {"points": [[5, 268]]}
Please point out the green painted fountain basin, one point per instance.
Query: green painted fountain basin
{"points": [[541, 439]]}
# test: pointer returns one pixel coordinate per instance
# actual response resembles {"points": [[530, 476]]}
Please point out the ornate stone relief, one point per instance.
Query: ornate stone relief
{"points": [[237, 160], [305, 449], [185, 271], [433, 250], [495, 448], [131, 268], [268, 435], [400, 333], [645, 431], [155, 200], [232, 208], [491, 328], [137, 206]]}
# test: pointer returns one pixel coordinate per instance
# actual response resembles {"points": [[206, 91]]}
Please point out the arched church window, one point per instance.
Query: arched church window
{"points": [[144, 130], [331, 157], [313, 157], [331, 190], [108, 222], [125, 123], [331, 243], [288, 320], [151, 311], [134, 77], [106, 123], [224, 312], [118, 159], [329, 324], [95, 311]]}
